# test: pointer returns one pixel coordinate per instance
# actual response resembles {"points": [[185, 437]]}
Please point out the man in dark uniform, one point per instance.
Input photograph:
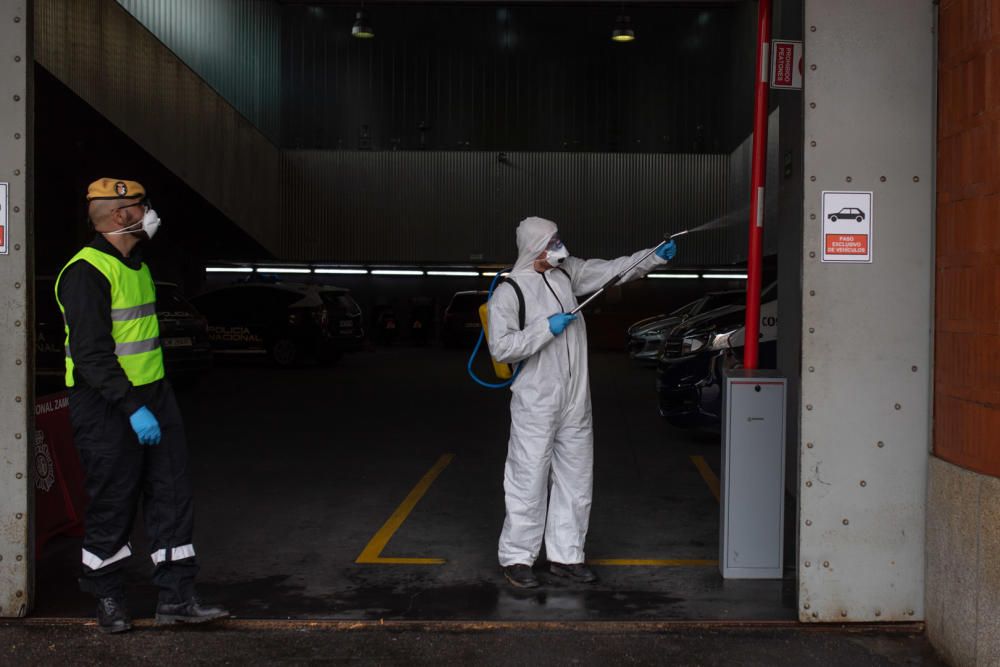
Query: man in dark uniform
{"points": [[126, 423]]}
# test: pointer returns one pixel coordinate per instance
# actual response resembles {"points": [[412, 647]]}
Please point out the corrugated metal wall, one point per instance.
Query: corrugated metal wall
{"points": [[513, 78], [111, 61], [464, 206], [737, 220], [234, 45], [388, 206], [967, 338]]}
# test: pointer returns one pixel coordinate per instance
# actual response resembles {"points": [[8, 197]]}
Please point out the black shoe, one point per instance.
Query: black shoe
{"points": [[112, 616], [521, 576], [575, 571], [189, 611]]}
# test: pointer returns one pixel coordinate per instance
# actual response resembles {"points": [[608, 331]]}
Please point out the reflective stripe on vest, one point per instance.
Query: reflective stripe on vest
{"points": [[134, 326]]}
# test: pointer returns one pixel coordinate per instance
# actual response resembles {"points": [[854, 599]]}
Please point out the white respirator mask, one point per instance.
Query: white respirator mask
{"points": [[556, 253], [150, 223]]}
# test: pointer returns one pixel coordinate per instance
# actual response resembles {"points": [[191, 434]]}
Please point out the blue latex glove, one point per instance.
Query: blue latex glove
{"points": [[559, 322], [145, 426], [667, 251]]}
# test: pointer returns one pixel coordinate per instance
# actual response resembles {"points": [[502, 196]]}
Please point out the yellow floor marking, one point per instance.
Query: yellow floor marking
{"points": [[373, 552], [654, 562], [707, 475], [713, 486]]}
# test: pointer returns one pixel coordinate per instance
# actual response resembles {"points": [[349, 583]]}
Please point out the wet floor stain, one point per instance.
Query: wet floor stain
{"points": [[276, 596]]}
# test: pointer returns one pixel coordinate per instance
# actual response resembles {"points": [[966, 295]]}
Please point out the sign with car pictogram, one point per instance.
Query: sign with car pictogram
{"points": [[848, 219]]}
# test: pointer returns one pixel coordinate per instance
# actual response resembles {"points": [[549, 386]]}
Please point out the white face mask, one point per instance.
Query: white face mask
{"points": [[150, 223], [557, 254]]}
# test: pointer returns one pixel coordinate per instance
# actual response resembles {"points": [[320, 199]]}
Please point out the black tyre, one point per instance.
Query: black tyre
{"points": [[859, 218], [284, 352]]}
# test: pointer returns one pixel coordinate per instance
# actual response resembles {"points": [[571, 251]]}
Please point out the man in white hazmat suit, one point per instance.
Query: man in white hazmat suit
{"points": [[548, 479]]}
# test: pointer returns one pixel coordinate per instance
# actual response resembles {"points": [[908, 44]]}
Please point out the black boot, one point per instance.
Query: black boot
{"points": [[521, 576], [112, 616], [189, 611], [575, 571]]}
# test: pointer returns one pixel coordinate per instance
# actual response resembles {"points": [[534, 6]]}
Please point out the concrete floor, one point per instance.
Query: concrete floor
{"points": [[297, 470], [250, 643]]}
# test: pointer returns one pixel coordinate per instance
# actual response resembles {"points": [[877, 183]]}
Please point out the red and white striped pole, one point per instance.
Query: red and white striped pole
{"points": [[757, 181]]}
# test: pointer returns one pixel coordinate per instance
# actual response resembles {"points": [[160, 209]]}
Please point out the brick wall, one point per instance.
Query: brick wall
{"points": [[967, 347]]}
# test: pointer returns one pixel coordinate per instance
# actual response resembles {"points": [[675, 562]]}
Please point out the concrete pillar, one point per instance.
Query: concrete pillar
{"points": [[866, 327], [16, 323]]}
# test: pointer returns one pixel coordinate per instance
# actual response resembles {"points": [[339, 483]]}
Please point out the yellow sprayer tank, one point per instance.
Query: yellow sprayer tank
{"points": [[502, 371]]}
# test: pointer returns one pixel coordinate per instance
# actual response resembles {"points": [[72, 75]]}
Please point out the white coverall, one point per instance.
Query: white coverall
{"points": [[551, 432]]}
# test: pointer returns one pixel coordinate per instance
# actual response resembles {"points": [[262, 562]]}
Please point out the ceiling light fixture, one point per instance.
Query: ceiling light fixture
{"points": [[362, 28], [623, 31]]}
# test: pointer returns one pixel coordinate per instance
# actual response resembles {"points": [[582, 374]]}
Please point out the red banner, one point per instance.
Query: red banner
{"points": [[60, 499]]}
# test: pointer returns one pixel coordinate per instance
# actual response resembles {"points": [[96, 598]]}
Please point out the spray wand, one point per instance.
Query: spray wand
{"points": [[618, 277]]}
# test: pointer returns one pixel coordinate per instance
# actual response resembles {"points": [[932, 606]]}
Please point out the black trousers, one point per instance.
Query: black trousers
{"points": [[120, 473]]}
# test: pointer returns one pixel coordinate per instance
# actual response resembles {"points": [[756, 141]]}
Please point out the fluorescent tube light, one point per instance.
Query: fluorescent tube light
{"points": [[686, 276], [452, 273], [396, 272], [343, 271], [724, 276], [281, 269], [228, 269]]}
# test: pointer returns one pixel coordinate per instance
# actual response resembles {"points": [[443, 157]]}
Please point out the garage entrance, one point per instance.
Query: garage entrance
{"points": [[363, 478]]}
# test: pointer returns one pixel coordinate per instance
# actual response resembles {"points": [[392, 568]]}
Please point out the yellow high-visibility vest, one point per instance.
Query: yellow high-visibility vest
{"points": [[134, 326]]}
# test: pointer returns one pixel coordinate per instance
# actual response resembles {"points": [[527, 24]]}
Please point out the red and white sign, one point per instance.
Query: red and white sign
{"points": [[786, 64], [4, 219], [848, 219]]}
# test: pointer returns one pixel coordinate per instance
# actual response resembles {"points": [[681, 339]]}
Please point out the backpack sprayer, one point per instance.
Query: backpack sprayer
{"points": [[503, 371]]}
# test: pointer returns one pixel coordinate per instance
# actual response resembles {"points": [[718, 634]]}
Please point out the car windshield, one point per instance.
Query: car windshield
{"points": [[341, 300], [169, 299]]}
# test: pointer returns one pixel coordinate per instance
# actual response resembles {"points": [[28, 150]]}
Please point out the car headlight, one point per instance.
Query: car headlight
{"points": [[692, 344]]}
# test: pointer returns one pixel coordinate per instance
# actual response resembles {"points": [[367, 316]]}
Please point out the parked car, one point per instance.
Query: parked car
{"points": [[644, 339], [696, 354], [183, 336], [461, 318], [289, 322]]}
